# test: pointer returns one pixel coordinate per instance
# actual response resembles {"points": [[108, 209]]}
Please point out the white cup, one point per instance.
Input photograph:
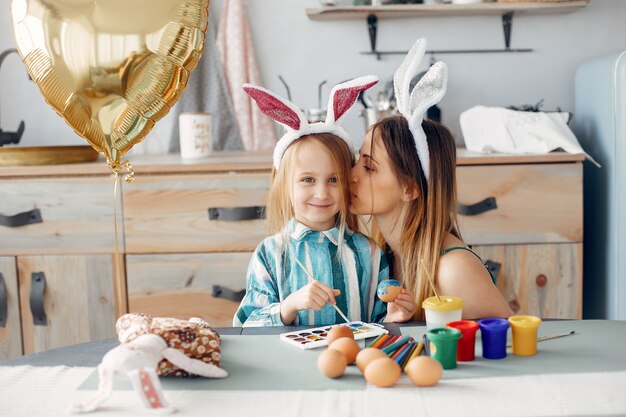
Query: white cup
{"points": [[442, 310], [196, 139]]}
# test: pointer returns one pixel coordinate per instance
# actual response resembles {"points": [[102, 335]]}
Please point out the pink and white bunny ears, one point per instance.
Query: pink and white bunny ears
{"points": [[342, 97], [427, 92]]}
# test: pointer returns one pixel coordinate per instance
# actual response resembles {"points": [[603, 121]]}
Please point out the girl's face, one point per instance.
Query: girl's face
{"points": [[373, 176], [316, 193]]}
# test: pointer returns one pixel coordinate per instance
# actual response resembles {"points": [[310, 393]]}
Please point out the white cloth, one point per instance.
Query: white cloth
{"points": [[496, 129], [236, 49], [49, 391]]}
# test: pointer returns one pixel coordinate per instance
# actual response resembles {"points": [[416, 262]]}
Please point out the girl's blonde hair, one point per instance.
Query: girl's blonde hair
{"points": [[432, 215], [279, 201]]}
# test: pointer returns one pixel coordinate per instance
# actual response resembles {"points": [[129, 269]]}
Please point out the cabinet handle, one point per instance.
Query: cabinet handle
{"points": [[4, 308], [37, 291], [487, 204], [227, 293], [234, 214], [21, 219]]}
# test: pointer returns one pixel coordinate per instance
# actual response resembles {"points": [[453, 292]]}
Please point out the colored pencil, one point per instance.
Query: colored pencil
{"points": [[382, 341], [416, 352], [392, 348], [311, 279], [373, 342], [404, 355], [401, 350], [390, 341]]}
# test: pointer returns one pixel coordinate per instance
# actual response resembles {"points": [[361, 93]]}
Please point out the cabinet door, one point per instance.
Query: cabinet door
{"points": [[541, 280], [181, 285], [11, 332], [78, 300], [170, 214]]}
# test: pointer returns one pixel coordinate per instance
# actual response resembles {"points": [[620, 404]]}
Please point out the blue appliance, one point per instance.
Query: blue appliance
{"points": [[600, 125]]}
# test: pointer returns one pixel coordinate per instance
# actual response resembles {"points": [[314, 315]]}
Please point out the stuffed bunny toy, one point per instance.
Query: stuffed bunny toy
{"points": [[193, 337], [152, 346], [428, 91], [342, 97], [137, 360]]}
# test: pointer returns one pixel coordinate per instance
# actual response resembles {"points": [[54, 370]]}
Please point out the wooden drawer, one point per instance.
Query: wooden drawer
{"points": [[76, 216], [181, 285], [170, 214], [536, 203], [542, 280]]}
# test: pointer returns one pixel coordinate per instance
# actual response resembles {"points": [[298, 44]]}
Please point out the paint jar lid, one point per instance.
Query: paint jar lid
{"points": [[525, 321], [443, 303]]}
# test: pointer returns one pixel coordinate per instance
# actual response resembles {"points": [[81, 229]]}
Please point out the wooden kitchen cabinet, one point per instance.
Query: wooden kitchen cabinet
{"points": [[190, 235], [530, 224], [57, 232], [187, 230]]}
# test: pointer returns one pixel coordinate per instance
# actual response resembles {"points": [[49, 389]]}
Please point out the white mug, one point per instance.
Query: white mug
{"points": [[196, 139]]}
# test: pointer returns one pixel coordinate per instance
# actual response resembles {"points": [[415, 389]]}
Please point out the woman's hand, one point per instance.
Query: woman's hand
{"points": [[402, 309], [312, 296]]}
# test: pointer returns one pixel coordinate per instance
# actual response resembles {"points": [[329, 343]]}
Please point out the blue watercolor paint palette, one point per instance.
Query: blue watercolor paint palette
{"points": [[316, 337]]}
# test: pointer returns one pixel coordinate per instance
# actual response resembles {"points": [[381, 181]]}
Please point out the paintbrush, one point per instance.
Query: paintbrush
{"points": [[549, 337], [430, 279], [311, 279]]}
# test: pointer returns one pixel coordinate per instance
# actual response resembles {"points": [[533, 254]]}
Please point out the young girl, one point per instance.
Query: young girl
{"points": [[405, 179], [308, 210]]}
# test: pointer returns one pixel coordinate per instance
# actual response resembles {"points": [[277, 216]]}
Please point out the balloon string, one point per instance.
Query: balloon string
{"points": [[118, 278]]}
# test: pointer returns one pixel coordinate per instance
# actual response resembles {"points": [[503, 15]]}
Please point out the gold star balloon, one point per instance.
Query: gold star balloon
{"points": [[110, 68]]}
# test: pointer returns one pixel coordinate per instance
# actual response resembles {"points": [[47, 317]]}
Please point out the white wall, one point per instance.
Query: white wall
{"points": [[306, 52]]}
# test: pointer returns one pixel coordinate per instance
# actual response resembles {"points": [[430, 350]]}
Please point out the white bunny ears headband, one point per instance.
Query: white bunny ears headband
{"points": [[342, 97], [427, 92]]}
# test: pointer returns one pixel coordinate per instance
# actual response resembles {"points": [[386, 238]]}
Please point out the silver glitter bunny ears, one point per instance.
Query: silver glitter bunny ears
{"points": [[427, 92]]}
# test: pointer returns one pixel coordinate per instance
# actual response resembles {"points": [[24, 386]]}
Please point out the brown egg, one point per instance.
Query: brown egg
{"points": [[382, 372], [424, 371], [332, 363], [348, 347], [338, 332], [366, 356]]}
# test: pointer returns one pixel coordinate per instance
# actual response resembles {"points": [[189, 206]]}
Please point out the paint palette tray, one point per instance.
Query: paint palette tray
{"points": [[316, 337]]}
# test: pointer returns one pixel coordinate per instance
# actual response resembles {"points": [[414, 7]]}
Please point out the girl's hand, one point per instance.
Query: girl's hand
{"points": [[312, 296], [402, 309]]}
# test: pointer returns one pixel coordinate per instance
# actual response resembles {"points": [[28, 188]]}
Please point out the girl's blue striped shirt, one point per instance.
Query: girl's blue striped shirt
{"points": [[356, 269]]}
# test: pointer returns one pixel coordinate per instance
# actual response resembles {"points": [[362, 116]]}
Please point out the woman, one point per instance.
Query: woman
{"points": [[405, 179]]}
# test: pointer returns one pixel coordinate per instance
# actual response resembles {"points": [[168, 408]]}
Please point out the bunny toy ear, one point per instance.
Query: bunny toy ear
{"points": [[344, 95], [402, 78], [276, 107]]}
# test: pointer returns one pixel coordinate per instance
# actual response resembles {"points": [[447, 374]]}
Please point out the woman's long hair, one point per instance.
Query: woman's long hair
{"points": [[432, 215], [280, 202]]}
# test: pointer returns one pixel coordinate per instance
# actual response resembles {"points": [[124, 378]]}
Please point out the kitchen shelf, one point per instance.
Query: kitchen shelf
{"points": [[505, 9], [428, 10]]}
